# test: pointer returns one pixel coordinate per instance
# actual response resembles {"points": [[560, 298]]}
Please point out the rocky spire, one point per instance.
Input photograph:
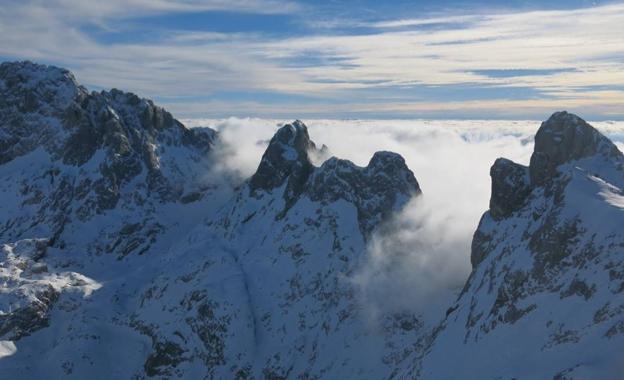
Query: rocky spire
{"points": [[286, 157], [377, 190], [29, 86], [510, 187], [562, 138]]}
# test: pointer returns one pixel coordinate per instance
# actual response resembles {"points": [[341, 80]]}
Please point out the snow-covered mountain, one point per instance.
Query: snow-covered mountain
{"points": [[545, 298], [100, 264], [110, 159], [270, 273], [123, 255], [90, 182]]}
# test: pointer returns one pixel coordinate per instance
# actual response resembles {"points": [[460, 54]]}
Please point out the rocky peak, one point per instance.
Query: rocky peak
{"points": [[549, 249], [286, 157], [388, 163], [45, 106], [26, 85], [33, 99], [96, 152], [510, 187], [562, 138], [377, 190]]}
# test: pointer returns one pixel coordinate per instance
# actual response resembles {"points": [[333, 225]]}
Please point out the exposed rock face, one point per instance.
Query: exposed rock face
{"points": [[547, 263], [510, 187], [562, 138], [376, 190], [27, 89], [94, 153], [285, 160], [28, 291]]}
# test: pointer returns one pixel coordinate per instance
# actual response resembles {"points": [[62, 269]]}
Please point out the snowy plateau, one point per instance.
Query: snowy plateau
{"points": [[136, 246]]}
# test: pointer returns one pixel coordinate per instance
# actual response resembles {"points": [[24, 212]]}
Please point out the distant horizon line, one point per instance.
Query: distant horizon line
{"points": [[277, 119]]}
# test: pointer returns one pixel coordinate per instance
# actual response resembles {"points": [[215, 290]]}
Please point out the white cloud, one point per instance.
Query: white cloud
{"points": [[581, 39], [424, 21], [89, 11], [401, 53]]}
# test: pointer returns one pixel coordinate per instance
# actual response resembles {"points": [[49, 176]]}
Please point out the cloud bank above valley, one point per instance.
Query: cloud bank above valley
{"points": [[307, 59], [424, 255]]}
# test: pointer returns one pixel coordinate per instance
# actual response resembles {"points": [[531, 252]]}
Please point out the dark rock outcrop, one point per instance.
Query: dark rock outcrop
{"points": [[562, 138], [546, 267], [286, 158], [25, 320], [510, 187], [376, 190]]}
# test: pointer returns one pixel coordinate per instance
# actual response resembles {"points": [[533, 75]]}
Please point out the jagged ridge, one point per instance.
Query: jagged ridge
{"points": [[94, 152], [376, 190]]}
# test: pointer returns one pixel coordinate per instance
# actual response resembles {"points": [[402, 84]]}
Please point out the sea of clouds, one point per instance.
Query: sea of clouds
{"points": [[420, 263]]}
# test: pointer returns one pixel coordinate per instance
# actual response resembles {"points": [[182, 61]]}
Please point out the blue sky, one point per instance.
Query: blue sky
{"points": [[335, 59]]}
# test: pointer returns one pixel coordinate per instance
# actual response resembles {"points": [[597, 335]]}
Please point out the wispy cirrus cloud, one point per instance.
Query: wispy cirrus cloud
{"points": [[587, 40], [416, 22], [89, 11], [523, 63]]}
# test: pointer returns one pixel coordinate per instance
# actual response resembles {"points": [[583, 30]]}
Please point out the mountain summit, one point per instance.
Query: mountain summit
{"points": [[565, 137], [545, 298], [89, 156]]}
